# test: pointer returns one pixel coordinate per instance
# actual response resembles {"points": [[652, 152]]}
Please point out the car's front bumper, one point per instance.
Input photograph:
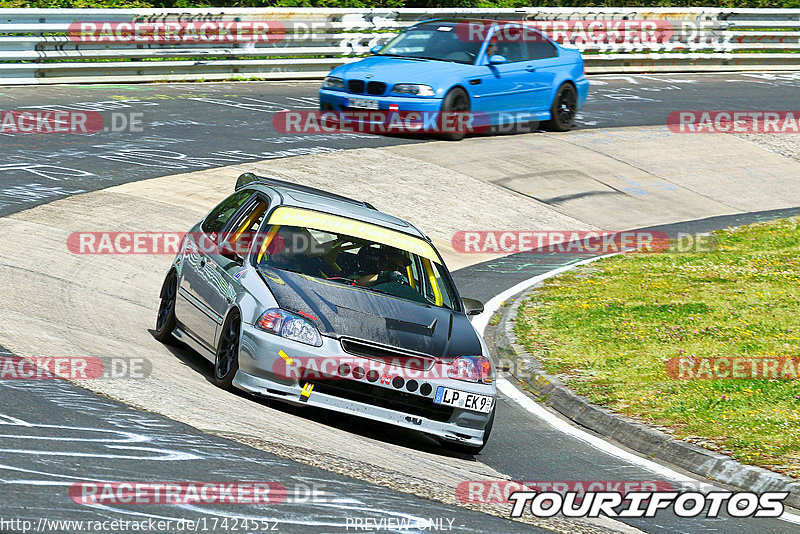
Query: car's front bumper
{"points": [[338, 101], [259, 359], [292, 394]]}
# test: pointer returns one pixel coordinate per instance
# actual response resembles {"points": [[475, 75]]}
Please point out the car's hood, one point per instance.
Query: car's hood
{"points": [[393, 70], [346, 311]]}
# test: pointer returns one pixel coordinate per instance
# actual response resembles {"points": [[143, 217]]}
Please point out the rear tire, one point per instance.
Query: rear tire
{"points": [[472, 449], [563, 110], [455, 101], [227, 361], [166, 321]]}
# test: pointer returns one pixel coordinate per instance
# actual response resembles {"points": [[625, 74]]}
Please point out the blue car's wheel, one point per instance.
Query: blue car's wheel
{"points": [[455, 101], [565, 106]]}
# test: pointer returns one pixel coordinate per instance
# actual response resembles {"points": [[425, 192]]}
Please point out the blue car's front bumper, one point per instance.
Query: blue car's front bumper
{"points": [[337, 101]]}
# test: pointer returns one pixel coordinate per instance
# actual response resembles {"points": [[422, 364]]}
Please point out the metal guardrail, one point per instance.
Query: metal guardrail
{"points": [[44, 46]]}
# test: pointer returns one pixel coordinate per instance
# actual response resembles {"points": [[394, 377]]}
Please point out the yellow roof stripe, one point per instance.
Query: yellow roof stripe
{"points": [[285, 215]]}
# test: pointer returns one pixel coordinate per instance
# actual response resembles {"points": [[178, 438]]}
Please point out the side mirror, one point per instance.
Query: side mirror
{"points": [[245, 179], [497, 59], [375, 49], [472, 306]]}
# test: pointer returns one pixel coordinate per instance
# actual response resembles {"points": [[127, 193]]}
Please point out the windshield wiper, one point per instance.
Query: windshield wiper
{"points": [[413, 57], [434, 58]]}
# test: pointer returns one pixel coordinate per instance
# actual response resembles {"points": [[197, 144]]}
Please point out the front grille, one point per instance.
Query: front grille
{"points": [[376, 88], [388, 355], [355, 86], [385, 398]]}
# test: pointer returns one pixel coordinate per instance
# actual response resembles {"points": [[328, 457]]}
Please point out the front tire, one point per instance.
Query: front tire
{"points": [[563, 110], [455, 101], [227, 361], [166, 321], [472, 449]]}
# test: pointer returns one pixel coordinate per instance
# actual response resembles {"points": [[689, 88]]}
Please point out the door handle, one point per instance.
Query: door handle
{"points": [[530, 68]]}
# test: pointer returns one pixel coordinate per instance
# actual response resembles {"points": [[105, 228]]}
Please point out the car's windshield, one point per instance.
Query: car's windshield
{"points": [[357, 262], [435, 41]]}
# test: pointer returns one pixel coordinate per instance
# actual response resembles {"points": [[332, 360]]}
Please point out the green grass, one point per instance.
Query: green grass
{"points": [[608, 328]]}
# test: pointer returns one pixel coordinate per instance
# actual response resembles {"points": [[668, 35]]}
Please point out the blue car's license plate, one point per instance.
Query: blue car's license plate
{"points": [[362, 103]]}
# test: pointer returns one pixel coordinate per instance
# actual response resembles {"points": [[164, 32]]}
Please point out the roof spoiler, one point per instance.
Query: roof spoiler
{"points": [[249, 178]]}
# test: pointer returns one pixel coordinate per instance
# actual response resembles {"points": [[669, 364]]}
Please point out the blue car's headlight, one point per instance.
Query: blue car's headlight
{"points": [[332, 82], [290, 326], [413, 89]]}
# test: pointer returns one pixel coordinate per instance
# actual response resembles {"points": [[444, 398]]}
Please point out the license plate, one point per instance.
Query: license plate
{"points": [[463, 399], [362, 103]]}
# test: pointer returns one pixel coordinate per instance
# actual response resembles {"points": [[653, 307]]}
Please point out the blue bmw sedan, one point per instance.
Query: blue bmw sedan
{"points": [[504, 72]]}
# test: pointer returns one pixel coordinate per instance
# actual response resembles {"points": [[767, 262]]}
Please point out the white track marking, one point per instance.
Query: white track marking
{"points": [[507, 388], [162, 455]]}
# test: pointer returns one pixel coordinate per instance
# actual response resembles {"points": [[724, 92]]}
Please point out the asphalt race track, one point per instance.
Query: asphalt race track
{"points": [[195, 126]]}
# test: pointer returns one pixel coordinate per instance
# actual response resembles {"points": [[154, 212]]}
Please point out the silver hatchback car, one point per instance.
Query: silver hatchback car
{"points": [[316, 299]]}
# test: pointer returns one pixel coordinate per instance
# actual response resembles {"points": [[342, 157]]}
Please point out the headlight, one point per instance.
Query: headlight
{"points": [[290, 326], [413, 89], [330, 82], [472, 369]]}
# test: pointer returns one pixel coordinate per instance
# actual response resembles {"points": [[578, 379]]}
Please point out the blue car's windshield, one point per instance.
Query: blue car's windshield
{"points": [[437, 41]]}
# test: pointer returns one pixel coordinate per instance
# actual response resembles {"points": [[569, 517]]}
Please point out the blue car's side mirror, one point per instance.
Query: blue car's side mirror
{"points": [[497, 59], [375, 49]]}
